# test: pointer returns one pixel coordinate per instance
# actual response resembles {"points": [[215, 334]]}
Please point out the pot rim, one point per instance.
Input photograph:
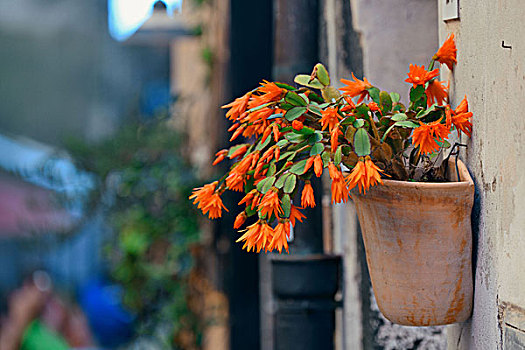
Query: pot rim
{"points": [[466, 180]]}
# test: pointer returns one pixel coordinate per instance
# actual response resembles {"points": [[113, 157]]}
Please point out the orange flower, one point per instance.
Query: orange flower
{"points": [[220, 156], [237, 107], [248, 198], [236, 179], [463, 106], [356, 87], [330, 118], [270, 204], [318, 165], [237, 132], [239, 220], [269, 92], [280, 235], [297, 125], [350, 104], [295, 214], [239, 152], [462, 122], [425, 136], [374, 107], [202, 194], [364, 174], [334, 135], [235, 182], [307, 197], [436, 91], [258, 235], [340, 191], [448, 116], [309, 163], [461, 118], [208, 200], [268, 154], [419, 75], [317, 162], [447, 53]]}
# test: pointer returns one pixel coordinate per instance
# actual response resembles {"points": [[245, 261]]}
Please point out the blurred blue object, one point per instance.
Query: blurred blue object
{"points": [[156, 98], [110, 322], [125, 17]]}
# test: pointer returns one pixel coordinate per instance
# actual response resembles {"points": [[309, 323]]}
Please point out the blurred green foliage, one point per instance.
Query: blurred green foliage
{"points": [[142, 171]]}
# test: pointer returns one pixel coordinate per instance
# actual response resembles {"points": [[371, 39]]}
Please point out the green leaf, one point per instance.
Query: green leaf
{"points": [[338, 157], [348, 120], [286, 204], [294, 99], [374, 94], [262, 145], [330, 93], [285, 155], [402, 123], [361, 142], [349, 133], [359, 123], [325, 156], [284, 86], [304, 97], [298, 168], [295, 138], [424, 112], [295, 113], [395, 97], [285, 106], [272, 169], [289, 184], [315, 137], [362, 110], [280, 181], [322, 74], [399, 117], [315, 110], [259, 107], [134, 242], [385, 102], [282, 143], [407, 124], [305, 131], [275, 116], [316, 149], [264, 185], [304, 79], [416, 93], [249, 211]]}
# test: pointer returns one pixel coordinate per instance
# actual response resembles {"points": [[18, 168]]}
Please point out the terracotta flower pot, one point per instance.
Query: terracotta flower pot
{"points": [[418, 243]]}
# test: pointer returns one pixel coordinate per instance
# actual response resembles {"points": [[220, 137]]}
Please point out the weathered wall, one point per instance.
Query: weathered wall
{"points": [[493, 77]]}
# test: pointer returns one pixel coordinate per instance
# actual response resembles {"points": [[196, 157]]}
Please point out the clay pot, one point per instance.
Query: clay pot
{"points": [[418, 243]]}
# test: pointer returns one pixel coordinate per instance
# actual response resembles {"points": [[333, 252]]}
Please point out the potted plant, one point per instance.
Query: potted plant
{"points": [[416, 224]]}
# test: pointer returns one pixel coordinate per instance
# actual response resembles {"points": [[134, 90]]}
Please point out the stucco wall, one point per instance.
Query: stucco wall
{"points": [[493, 77]]}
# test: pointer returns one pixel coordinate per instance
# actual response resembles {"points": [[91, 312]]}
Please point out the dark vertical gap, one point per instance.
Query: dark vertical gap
{"points": [[296, 50], [251, 51], [352, 53], [371, 322]]}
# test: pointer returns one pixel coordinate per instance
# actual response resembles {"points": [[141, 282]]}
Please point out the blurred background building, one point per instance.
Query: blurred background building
{"points": [[82, 90]]}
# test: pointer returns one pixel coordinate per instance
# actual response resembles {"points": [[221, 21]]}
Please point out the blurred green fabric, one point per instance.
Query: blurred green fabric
{"points": [[39, 337]]}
